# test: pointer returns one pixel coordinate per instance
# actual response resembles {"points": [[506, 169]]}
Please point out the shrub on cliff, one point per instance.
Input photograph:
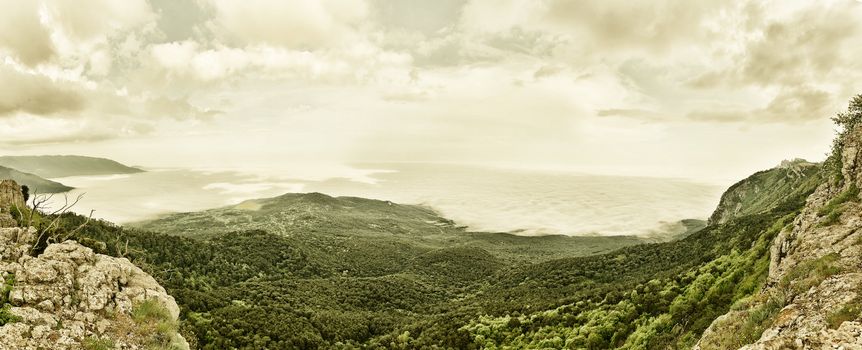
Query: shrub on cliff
{"points": [[845, 121]]}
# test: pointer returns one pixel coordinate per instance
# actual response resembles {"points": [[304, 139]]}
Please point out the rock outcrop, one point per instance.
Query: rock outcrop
{"points": [[815, 273], [68, 296], [10, 197], [10, 194]]}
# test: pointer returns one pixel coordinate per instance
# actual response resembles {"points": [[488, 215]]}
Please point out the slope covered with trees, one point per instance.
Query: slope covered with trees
{"points": [[35, 183], [312, 271]]}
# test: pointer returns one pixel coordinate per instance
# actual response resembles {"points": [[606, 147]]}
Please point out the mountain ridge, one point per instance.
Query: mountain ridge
{"points": [[56, 166], [35, 183], [813, 294], [745, 196]]}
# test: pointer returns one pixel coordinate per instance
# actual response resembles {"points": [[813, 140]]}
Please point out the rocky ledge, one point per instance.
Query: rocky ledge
{"points": [[813, 295], [68, 297]]}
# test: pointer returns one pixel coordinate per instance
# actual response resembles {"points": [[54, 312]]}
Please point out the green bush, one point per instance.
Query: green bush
{"points": [[833, 210], [809, 274], [753, 317], [8, 282], [845, 121], [153, 323], [6, 315], [850, 194], [831, 219], [150, 311], [760, 318], [95, 343], [849, 312]]}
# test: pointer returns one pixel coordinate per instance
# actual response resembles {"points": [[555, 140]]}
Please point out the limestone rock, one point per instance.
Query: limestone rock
{"points": [[807, 320], [68, 295], [10, 197]]}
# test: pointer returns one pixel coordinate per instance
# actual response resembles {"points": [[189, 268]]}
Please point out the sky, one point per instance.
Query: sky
{"points": [[695, 89]]}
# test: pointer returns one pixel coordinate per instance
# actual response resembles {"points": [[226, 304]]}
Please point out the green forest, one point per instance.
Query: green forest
{"points": [[309, 271]]}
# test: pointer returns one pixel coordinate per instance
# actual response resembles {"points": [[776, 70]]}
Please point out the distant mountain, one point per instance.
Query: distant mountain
{"points": [[34, 182], [314, 271], [320, 221], [762, 191], [62, 166]]}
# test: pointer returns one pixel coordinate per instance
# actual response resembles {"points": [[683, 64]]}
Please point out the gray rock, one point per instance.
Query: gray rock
{"points": [[69, 294], [804, 322]]}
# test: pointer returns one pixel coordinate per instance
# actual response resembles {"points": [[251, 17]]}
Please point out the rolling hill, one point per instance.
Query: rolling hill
{"points": [[35, 183], [63, 166]]}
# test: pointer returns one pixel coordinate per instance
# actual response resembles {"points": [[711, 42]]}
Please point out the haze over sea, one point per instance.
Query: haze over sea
{"points": [[482, 198]]}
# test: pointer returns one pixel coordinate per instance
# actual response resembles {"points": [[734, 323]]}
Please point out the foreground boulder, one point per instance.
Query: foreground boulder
{"points": [[68, 297]]}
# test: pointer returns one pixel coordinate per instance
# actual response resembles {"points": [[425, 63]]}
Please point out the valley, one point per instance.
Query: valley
{"points": [[312, 271]]}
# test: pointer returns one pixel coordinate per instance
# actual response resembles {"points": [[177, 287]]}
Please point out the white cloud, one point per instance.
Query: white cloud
{"points": [[289, 23], [33, 93], [356, 63], [22, 36], [514, 80], [97, 20]]}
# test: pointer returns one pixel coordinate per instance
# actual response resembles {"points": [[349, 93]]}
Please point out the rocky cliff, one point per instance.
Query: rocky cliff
{"points": [[813, 296], [765, 189], [10, 198], [68, 297]]}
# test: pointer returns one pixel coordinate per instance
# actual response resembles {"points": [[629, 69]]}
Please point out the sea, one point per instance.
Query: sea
{"points": [[482, 198]]}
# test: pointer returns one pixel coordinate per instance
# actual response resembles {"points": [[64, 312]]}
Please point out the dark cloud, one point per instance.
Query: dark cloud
{"points": [[444, 51], [459, 49], [179, 19], [799, 103], [719, 116], [548, 71], [426, 17], [305, 25], [796, 104], [520, 41], [790, 52], [798, 57], [21, 33], [81, 136], [36, 94], [641, 114], [811, 45], [178, 108], [653, 25]]}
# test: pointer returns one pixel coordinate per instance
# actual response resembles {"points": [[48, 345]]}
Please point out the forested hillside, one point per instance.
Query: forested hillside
{"points": [[312, 271], [35, 183], [349, 228]]}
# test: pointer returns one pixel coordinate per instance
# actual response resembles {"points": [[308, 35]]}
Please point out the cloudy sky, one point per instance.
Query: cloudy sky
{"points": [[682, 88]]}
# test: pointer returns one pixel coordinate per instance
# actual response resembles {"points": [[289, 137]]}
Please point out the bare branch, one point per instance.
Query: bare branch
{"points": [[49, 234], [72, 233]]}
